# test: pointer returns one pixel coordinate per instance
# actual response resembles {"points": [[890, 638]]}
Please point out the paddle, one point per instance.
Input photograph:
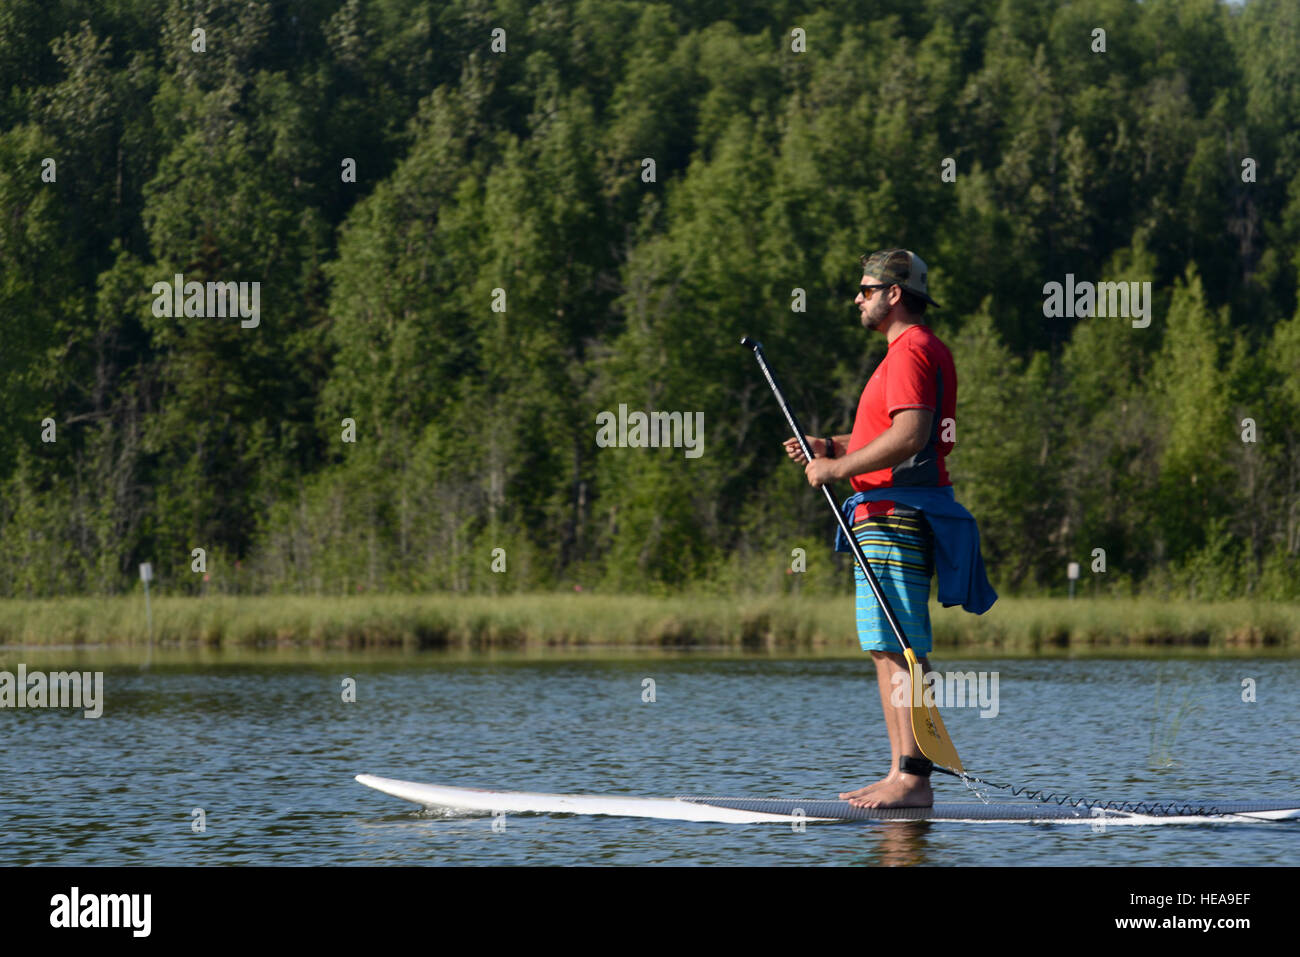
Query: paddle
{"points": [[928, 727]]}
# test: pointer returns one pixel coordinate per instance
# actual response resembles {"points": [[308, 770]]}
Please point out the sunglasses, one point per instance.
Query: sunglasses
{"points": [[866, 289]]}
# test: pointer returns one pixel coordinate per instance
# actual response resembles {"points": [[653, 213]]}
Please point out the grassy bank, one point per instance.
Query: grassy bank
{"points": [[446, 621]]}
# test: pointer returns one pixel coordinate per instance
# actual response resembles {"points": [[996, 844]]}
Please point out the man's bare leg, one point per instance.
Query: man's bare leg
{"points": [[897, 789], [883, 682]]}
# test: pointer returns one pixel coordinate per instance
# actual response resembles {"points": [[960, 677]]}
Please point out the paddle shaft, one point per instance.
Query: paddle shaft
{"points": [[830, 496]]}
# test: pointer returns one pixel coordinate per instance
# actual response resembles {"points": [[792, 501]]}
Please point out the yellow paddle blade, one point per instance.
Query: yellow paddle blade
{"points": [[928, 727]]}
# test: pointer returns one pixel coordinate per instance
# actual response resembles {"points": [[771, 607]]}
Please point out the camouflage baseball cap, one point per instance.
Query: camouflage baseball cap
{"points": [[901, 266]]}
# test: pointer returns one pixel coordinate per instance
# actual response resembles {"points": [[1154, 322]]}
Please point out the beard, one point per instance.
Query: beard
{"points": [[874, 315]]}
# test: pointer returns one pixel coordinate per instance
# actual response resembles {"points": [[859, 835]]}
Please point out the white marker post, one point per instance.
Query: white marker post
{"points": [[146, 576], [1072, 572]]}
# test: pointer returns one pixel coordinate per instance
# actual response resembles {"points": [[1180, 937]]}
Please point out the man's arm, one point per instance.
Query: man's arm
{"points": [[841, 443], [817, 444], [906, 435]]}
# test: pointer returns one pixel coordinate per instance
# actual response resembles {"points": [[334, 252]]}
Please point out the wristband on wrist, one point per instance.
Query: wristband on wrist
{"points": [[830, 446]]}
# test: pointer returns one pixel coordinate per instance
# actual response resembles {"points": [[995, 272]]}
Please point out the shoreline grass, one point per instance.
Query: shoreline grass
{"points": [[778, 622]]}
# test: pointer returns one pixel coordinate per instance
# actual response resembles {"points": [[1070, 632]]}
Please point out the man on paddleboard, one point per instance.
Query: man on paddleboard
{"points": [[902, 511]]}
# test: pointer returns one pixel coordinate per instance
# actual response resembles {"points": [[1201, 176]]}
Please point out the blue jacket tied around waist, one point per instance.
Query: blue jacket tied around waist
{"points": [[957, 559]]}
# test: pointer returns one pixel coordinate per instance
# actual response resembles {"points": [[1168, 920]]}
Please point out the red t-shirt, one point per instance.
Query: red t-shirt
{"points": [[916, 373]]}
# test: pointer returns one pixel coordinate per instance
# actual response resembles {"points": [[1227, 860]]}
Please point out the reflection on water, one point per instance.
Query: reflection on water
{"points": [[900, 844], [265, 744]]}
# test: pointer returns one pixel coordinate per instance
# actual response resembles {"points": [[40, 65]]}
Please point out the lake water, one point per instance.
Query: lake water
{"points": [[266, 746]]}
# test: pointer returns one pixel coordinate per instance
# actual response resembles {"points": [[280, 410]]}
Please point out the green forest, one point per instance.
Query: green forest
{"points": [[477, 225]]}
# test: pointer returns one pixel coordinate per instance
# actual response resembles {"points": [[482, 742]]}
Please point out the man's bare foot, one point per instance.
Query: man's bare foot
{"points": [[898, 790], [862, 792]]}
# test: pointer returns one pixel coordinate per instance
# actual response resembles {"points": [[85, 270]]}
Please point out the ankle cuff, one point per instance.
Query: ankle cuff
{"points": [[919, 766]]}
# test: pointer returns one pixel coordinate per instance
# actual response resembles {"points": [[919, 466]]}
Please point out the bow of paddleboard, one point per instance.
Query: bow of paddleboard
{"points": [[524, 802], [725, 810]]}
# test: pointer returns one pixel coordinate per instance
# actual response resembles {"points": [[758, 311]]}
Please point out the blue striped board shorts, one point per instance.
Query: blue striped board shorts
{"points": [[901, 553]]}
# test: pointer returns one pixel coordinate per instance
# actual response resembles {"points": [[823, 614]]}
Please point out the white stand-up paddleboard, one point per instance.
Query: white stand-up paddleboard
{"points": [[724, 810]]}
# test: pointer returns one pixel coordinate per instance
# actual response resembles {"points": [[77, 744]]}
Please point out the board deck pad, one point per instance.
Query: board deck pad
{"points": [[732, 810], [1002, 810]]}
